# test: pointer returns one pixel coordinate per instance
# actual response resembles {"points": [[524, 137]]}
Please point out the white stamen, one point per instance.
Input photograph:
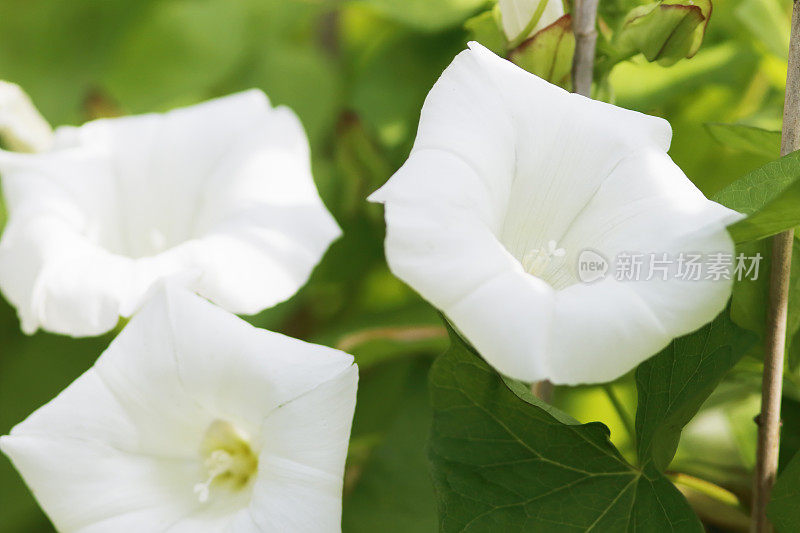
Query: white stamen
{"points": [[218, 463], [229, 459], [538, 260]]}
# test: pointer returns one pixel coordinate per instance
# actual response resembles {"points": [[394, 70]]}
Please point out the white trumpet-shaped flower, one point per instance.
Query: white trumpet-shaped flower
{"points": [[516, 16], [510, 181], [219, 195], [194, 421]]}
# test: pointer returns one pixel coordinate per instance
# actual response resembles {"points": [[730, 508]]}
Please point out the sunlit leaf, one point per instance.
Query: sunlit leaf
{"points": [[769, 195]]}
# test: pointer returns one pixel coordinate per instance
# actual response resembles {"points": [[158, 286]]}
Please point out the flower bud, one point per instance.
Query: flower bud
{"points": [[548, 54], [523, 18], [665, 32]]}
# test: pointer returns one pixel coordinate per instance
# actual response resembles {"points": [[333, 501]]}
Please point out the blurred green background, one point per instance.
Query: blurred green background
{"points": [[357, 72]]}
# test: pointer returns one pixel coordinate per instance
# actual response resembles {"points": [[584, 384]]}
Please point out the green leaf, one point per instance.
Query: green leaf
{"points": [[674, 384], [783, 511], [548, 54], [746, 138], [503, 463], [769, 195]]}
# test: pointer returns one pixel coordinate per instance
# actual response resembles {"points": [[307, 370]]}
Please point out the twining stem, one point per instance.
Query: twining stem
{"points": [[584, 25], [622, 413], [772, 385]]}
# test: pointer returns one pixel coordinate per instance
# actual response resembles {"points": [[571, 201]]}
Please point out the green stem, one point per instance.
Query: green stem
{"points": [[523, 36], [621, 412]]}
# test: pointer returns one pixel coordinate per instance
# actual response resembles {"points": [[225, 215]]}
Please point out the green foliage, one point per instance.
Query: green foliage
{"points": [[177, 51], [769, 196], [674, 384], [502, 462]]}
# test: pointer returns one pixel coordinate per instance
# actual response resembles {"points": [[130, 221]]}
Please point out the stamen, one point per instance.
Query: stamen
{"points": [[537, 261], [217, 464], [229, 460]]}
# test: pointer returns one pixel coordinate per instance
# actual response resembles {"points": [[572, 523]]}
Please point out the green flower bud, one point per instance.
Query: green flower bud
{"points": [[665, 32], [548, 54]]}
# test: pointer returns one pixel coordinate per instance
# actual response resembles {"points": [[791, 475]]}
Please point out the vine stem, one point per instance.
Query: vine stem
{"points": [[584, 24], [772, 385], [622, 413]]}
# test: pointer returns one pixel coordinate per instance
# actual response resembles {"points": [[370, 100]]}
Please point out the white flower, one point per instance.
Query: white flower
{"points": [[517, 14], [22, 128], [193, 421], [219, 194], [509, 181]]}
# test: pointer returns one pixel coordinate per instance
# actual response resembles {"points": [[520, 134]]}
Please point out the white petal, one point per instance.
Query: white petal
{"points": [[292, 497], [219, 195], [647, 206], [237, 371], [301, 466], [82, 447], [314, 429], [506, 165]]}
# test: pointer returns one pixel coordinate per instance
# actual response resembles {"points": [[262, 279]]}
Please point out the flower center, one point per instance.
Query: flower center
{"points": [[537, 261], [228, 459]]}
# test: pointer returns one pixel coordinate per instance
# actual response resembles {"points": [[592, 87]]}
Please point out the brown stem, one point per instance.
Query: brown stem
{"points": [[583, 24], [396, 334], [543, 390], [771, 391]]}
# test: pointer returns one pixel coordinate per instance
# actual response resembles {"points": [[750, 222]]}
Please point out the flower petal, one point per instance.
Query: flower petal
{"points": [[237, 371], [82, 447]]}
